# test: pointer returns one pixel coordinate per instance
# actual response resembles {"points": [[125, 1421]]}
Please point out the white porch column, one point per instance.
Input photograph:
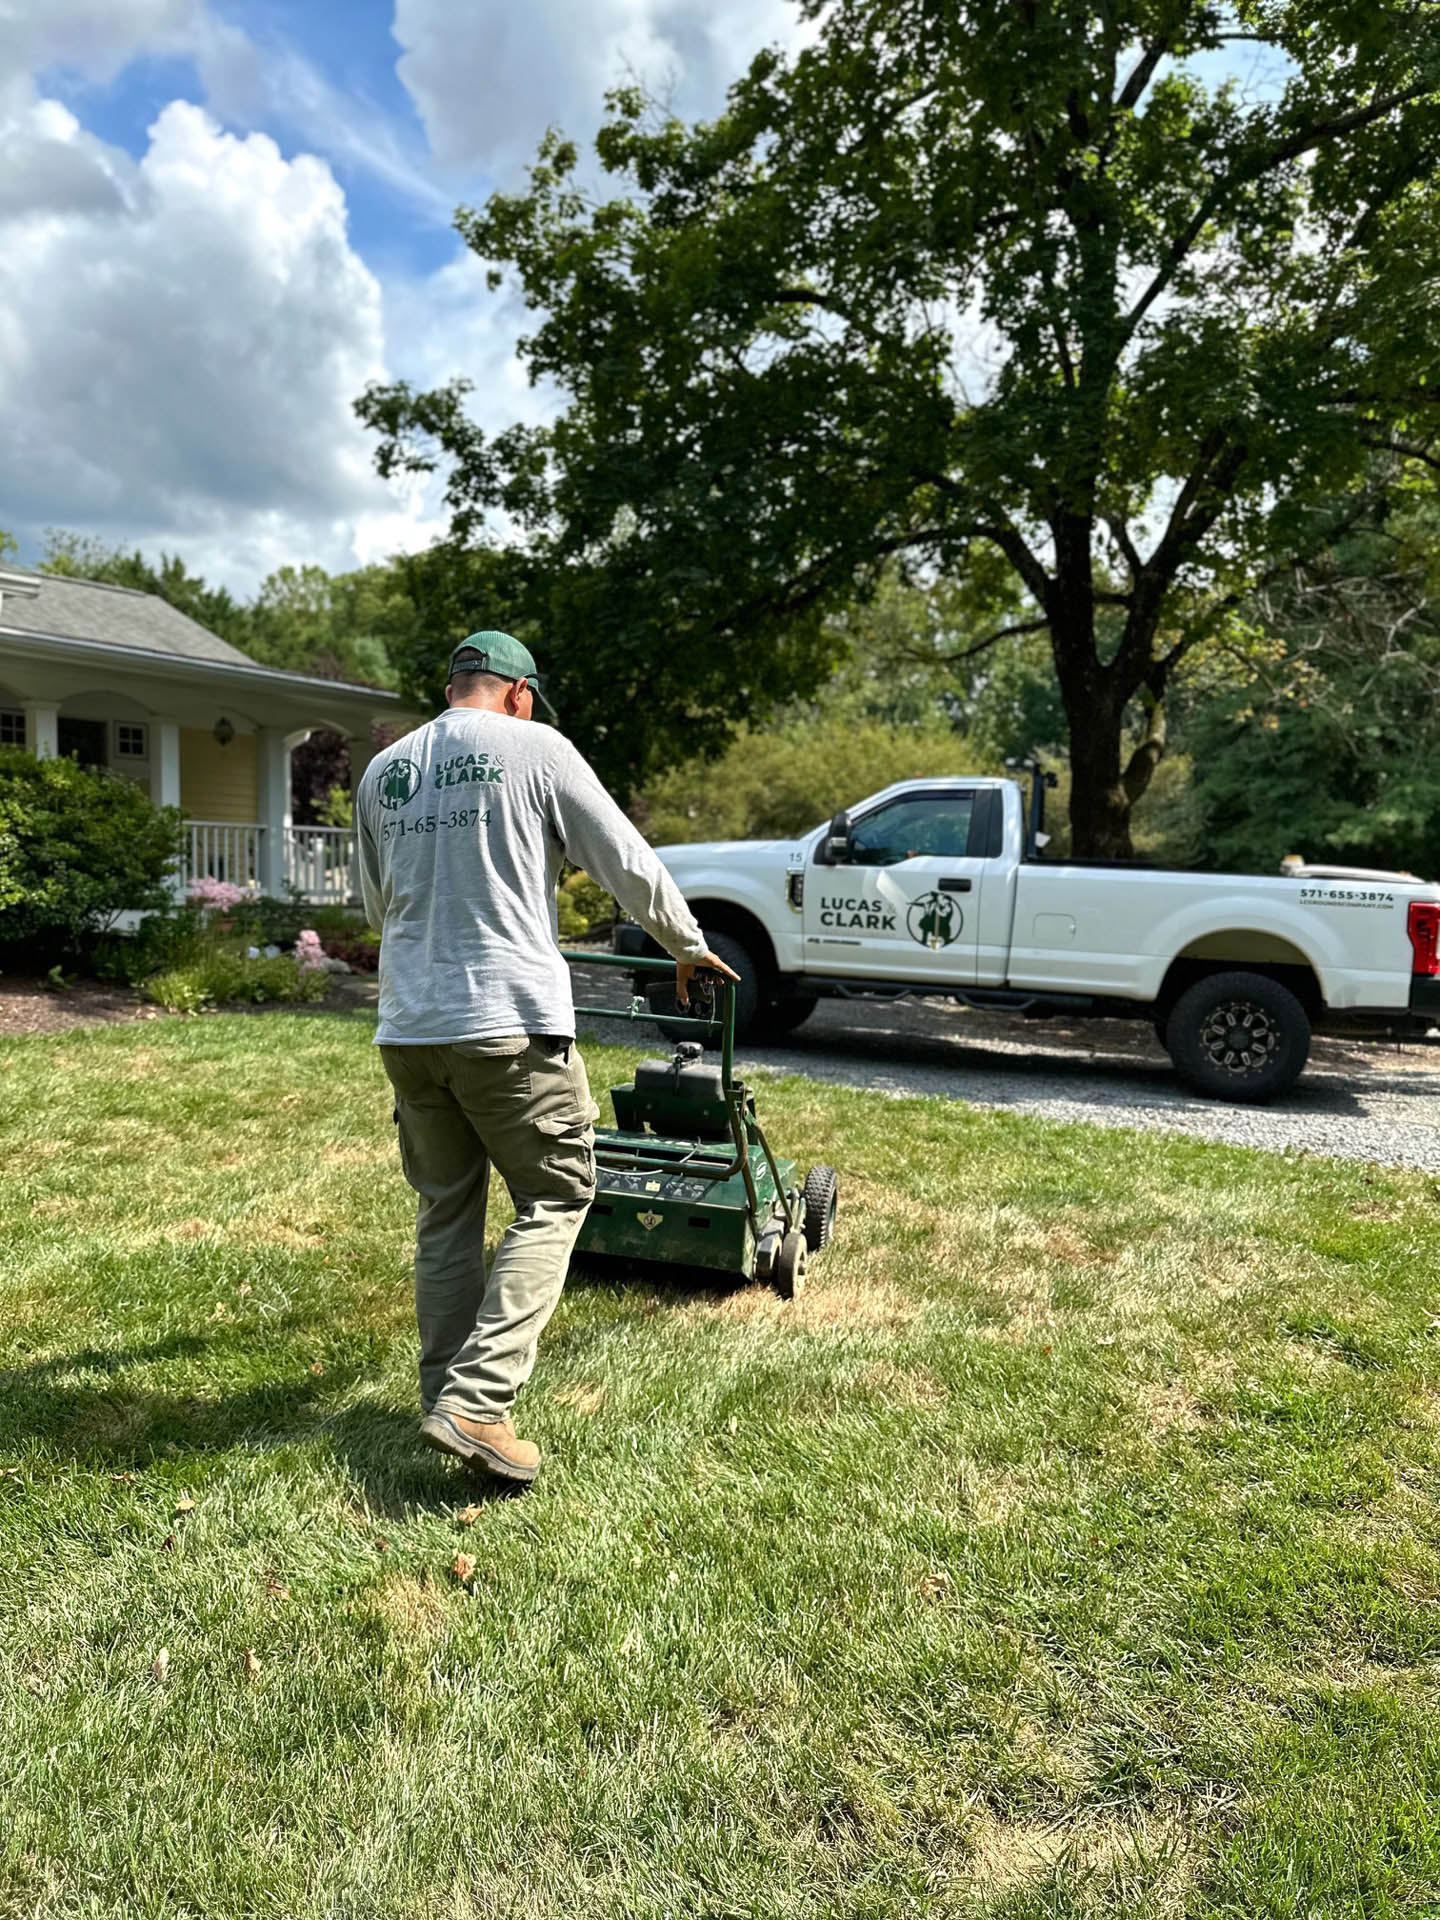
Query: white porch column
{"points": [[164, 762], [272, 750], [42, 729], [165, 781], [362, 752]]}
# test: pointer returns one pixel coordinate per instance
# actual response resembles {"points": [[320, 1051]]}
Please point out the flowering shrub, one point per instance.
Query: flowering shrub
{"points": [[216, 896], [309, 952]]}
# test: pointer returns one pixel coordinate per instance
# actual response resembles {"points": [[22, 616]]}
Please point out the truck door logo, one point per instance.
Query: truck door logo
{"points": [[934, 920]]}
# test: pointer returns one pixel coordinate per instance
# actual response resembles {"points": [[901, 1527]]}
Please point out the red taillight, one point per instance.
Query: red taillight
{"points": [[1424, 931]]}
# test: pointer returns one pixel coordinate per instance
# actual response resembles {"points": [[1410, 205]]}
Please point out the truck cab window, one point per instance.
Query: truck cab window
{"points": [[937, 824]]}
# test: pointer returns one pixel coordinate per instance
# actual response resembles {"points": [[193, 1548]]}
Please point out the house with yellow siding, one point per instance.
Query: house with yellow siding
{"points": [[123, 680]]}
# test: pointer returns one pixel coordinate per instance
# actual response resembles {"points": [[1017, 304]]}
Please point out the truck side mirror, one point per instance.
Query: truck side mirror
{"points": [[836, 845]]}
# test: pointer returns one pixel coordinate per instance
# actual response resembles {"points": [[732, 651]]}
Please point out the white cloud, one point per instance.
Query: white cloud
{"points": [[487, 80], [178, 362], [182, 335]]}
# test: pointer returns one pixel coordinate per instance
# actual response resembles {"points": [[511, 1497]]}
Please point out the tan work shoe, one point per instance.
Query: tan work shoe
{"points": [[491, 1444]]}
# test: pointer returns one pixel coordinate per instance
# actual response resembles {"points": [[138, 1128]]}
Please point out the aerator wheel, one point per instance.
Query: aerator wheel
{"points": [[790, 1265], [822, 1198]]}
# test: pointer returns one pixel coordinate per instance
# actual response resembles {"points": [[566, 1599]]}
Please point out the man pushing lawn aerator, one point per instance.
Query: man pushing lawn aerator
{"points": [[461, 829]]}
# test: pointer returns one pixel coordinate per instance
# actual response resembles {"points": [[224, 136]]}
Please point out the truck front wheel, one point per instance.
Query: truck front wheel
{"points": [[747, 994], [780, 1017], [1238, 1036]]}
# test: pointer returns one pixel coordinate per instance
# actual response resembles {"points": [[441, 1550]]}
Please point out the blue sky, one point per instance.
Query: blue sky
{"points": [[219, 219]]}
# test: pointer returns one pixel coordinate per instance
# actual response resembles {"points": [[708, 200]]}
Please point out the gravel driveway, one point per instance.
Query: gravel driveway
{"points": [[1375, 1101]]}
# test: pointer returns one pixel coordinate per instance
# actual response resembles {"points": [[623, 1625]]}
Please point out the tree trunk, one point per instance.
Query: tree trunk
{"points": [[1099, 804], [1094, 699]]}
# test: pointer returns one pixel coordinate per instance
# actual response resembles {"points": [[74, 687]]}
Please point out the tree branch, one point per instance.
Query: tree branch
{"points": [[1301, 141], [980, 646], [810, 297], [1120, 533], [1422, 454]]}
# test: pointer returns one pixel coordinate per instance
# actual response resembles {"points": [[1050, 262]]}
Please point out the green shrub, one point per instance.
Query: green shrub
{"points": [[269, 921], [78, 846], [779, 782], [227, 975], [176, 938], [359, 946], [582, 904]]}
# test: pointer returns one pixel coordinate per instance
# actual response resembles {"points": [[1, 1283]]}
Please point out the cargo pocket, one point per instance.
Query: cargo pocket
{"points": [[567, 1163]]}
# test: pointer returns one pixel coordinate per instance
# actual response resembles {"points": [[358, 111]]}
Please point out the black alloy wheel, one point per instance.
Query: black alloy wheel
{"points": [[1239, 1036]]}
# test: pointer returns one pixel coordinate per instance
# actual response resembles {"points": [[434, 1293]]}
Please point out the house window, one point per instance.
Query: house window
{"points": [[130, 743], [12, 728]]}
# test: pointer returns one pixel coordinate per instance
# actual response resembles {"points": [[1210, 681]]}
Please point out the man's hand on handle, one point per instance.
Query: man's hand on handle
{"points": [[686, 970]]}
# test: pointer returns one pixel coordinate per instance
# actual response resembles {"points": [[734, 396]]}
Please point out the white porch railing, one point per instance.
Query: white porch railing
{"points": [[225, 850], [319, 861], [320, 864]]}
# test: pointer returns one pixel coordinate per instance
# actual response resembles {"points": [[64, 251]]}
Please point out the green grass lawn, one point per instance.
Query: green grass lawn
{"points": [[1070, 1548]]}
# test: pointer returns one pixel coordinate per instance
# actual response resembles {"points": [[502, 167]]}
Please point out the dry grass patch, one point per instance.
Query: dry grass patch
{"points": [[994, 1498], [412, 1607], [355, 1156], [848, 1303], [912, 1386], [1009, 1855], [1170, 1407], [582, 1396], [1064, 1243]]}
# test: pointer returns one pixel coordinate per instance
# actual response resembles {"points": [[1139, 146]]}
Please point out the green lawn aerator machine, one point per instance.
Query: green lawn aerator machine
{"points": [[686, 1175]]}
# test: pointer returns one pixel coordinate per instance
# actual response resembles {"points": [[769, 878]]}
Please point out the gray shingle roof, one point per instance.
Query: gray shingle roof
{"points": [[118, 616]]}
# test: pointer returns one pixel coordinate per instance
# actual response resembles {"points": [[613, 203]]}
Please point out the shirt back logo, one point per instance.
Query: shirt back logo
{"points": [[399, 782]]}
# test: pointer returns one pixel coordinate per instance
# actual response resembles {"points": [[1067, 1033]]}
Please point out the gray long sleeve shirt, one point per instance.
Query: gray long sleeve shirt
{"points": [[461, 829]]}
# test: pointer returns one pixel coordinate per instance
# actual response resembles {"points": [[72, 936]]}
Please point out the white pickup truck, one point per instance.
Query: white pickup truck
{"points": [[941, 887]]}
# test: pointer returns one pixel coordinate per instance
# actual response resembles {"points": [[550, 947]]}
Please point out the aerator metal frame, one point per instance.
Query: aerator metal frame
{"points": [[692, 1182]]}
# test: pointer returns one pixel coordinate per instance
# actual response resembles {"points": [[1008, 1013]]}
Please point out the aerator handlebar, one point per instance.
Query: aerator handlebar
{"points": [[720, 990]]}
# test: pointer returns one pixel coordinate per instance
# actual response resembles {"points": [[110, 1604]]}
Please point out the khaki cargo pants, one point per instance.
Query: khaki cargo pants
{"points": [[524, 1104]]}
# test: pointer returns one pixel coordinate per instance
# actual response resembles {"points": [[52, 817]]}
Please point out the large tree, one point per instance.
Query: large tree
{"points": [[1026, 279], [1320, 731]]}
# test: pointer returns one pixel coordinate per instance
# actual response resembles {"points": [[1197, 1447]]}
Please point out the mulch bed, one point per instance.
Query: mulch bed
{"points": [[28, 1007]]}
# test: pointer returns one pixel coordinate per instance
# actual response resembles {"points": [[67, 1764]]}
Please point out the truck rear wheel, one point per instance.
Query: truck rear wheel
{"points": [[1238, 1036]]}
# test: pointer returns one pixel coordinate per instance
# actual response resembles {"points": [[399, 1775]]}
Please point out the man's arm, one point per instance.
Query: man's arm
{"points": [[596, 836], [367, 856]]}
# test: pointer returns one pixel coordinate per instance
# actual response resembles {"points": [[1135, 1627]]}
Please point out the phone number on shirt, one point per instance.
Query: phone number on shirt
{"points": [[432, 822]]}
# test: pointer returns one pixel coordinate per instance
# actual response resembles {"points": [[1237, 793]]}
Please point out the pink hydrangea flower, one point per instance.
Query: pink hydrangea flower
{"points": [[308, 950], [215, 896]]}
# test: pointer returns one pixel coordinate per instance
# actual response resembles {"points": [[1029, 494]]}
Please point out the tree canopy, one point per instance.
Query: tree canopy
{"points": [[1018, 292]]}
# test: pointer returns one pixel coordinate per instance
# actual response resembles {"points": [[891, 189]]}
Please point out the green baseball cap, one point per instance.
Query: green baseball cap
{"points": [[501, 653]]}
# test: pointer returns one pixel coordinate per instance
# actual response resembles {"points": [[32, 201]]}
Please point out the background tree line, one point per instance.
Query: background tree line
{"points": [[1002, 375], [1314, 727]]}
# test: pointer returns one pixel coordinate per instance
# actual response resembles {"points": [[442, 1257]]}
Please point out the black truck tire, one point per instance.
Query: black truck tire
{"points": [[1238, 1036], [747, 994], [779, 1017]]}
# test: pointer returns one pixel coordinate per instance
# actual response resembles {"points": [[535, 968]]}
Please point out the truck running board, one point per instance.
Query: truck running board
{"points": [[982, 999]]}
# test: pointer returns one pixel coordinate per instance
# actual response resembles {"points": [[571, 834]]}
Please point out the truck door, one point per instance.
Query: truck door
{"points": [[904, 903]]}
